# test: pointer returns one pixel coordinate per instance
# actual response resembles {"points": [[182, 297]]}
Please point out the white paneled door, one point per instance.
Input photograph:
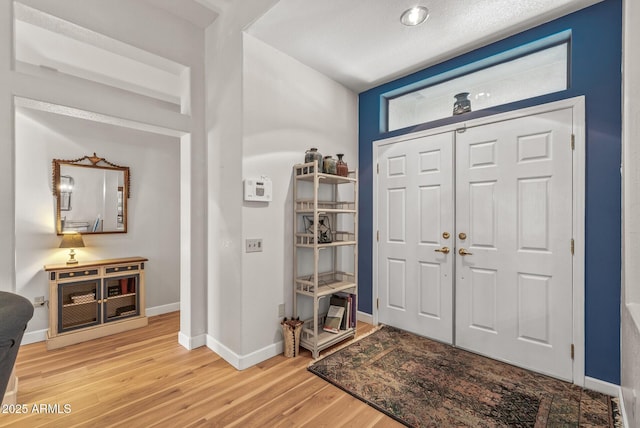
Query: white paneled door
{"points": [[509, 263], [415, 267], [514, 203]]}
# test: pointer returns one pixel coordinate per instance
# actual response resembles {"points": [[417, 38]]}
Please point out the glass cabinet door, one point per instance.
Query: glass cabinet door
{"points": [[78, 303], [122, 297]]}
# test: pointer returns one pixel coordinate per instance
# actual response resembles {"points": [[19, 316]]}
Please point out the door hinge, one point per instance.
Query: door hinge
{"points": [[573, 246], [377, 236], [573, 141], [572, 351], [377, 303]]}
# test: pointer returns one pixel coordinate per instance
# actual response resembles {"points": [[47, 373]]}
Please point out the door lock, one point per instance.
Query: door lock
{"points": [[443, 250], [464, 252], [445, 235], [462, 236]]}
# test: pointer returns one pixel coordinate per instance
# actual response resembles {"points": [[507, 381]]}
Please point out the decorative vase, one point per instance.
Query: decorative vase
{"points": [[462, 103], [329, 165], [342, 168], [311, 155]]}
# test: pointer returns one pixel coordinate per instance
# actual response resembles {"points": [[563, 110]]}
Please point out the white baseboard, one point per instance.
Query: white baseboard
{"points": [[241, 362], [164, 309], [41, 335], [34, 337], [602, 386], [623, 411], [192, 342], [364, 317]]}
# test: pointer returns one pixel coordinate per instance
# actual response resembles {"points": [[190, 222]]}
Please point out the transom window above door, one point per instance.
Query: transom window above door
{"points": [[532, 70]]}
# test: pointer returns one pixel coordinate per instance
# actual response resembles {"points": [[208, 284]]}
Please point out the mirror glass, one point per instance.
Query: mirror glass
{"points": [[91, 195]]}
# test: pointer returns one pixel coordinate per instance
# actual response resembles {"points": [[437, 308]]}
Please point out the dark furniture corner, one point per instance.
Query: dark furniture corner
{"points": [[15, 313]]}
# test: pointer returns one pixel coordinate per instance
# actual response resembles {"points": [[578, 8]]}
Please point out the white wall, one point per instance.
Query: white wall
{"points": [[168, 37], [224, 162], [153, 218], [288, 108], [7, 249], [264, 110], [630, 309]]}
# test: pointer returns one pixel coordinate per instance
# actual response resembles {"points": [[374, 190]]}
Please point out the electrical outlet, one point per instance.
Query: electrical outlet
{"points": [[38, 301], [281, 310], [253, 245]]}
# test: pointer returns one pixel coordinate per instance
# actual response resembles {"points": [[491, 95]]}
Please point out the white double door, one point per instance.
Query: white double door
{"points": [[475, 232]]}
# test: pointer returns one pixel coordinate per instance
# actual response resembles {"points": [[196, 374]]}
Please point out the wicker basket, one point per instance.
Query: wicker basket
{"points": [[291, 332]]}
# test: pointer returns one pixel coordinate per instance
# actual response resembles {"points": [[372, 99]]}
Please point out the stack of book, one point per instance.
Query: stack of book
{"points": [[341, 314]]}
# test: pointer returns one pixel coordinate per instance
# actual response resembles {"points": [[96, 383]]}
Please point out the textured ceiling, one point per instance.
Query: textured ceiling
{"points": [[361, 43]]}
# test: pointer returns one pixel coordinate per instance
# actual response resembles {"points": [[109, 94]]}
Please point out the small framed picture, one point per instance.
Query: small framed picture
{"points": [[324, 228]]}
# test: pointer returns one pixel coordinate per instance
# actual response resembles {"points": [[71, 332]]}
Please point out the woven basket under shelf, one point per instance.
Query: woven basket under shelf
{"points": [[291, 332]]}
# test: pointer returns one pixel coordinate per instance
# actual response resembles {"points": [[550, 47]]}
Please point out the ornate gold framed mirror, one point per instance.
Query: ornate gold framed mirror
{"points": [[91, 195]]}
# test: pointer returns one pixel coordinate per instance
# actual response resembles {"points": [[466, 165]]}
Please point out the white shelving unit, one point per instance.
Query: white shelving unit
{"points": [[325, 257]]}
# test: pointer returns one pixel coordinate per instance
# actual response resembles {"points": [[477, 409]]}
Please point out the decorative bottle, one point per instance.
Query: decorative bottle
{"points": [[329, 165], [311, 155], [462, 104], [342, 168]]}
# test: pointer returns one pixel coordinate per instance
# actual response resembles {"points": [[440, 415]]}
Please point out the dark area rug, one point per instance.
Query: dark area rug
{"points": [[423, 383]]}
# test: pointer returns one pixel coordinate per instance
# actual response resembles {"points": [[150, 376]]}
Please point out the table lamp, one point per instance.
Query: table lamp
{"points": [[72, 240]]}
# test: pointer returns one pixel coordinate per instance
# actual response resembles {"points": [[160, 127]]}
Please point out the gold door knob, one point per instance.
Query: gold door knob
{"points": [[443, 250], [464, 252], [446, 235], [462, 236]]}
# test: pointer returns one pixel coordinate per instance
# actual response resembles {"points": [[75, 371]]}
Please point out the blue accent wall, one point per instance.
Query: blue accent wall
{"points": [[595, 72]]}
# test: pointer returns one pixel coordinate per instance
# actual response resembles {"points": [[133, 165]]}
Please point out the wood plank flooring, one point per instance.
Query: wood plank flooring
{"points": [[144, 378]]}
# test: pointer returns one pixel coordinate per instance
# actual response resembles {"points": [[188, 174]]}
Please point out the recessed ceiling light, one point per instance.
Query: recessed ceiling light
{"points": [[414, 16]]}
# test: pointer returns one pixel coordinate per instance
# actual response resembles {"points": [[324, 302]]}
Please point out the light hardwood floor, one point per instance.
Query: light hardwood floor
{"points": [[144, 378]]}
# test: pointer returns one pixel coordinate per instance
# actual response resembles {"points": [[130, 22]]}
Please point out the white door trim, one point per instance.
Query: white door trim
{"points": [[579, 155]]}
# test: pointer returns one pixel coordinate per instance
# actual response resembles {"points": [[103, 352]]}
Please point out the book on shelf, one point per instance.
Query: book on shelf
{"points": [[96, 224], [343, 302], [348, 301], [354, 310], [113, 290], [333, 319]]}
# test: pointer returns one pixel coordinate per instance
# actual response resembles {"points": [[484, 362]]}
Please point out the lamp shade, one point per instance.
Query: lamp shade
{"points": [[72, 240]]}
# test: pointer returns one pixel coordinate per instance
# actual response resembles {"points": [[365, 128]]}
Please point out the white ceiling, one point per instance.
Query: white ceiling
{"points": [[200, 13], [361, 43], [49, 42]]}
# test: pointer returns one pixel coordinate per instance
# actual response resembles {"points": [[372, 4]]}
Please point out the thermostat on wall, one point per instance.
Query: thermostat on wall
{"points": [[258, 189]]}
